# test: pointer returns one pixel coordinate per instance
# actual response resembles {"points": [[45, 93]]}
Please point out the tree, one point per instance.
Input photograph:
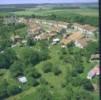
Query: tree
{"points": [[33, 16], [32, 81], [4, 43], [87, 85], [80, 69], [3, 89], [43, 93], [47, 67], [53, 16], [62, 31], [36, 74], [81, 94], [57, 70], [30, 56], [30, 42], [13, 90], [16, 68], [34, 58], [7, 58]]}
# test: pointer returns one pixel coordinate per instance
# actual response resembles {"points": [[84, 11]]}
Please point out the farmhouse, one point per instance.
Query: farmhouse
{"points": [[95, 71]]}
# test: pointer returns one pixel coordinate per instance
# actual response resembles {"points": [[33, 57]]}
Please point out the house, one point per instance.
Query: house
{"points": [[95, 57], [71, 38], [55, 40], [24, 42], [95, 71], [63, 46], [81, 43], [86, 29], [22, 79]]}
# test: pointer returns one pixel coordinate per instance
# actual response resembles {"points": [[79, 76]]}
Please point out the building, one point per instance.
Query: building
{"points": [[86, 29], [81, 43], [55, 41], [10, 20], [95, 57], [22, 79], [16, 39], [95, 71], [71, 38]]}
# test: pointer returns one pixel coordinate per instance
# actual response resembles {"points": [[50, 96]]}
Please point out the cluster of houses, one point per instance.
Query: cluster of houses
{"points": [[42, 29], [47, 29]]}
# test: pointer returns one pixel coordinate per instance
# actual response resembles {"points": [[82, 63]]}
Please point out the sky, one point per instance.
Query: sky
{"points": [[43, 1]]}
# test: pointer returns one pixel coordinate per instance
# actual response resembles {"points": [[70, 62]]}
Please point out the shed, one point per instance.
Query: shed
{"points": [[22, 79]]}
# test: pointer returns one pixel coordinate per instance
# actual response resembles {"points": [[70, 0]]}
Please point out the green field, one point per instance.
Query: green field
{"points": [[60, 12]]}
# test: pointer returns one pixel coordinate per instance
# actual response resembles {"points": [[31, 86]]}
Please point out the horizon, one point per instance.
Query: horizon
{"points": [[45, 1]]}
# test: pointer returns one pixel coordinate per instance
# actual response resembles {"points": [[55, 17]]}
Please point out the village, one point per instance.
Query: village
{"points": [[57, 32]]}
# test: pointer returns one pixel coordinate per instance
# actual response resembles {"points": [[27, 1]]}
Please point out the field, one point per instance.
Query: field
{"points": [[60, 12]]}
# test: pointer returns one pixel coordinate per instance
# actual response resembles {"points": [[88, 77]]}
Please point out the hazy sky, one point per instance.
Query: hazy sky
{"points": [[42, 1]]}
